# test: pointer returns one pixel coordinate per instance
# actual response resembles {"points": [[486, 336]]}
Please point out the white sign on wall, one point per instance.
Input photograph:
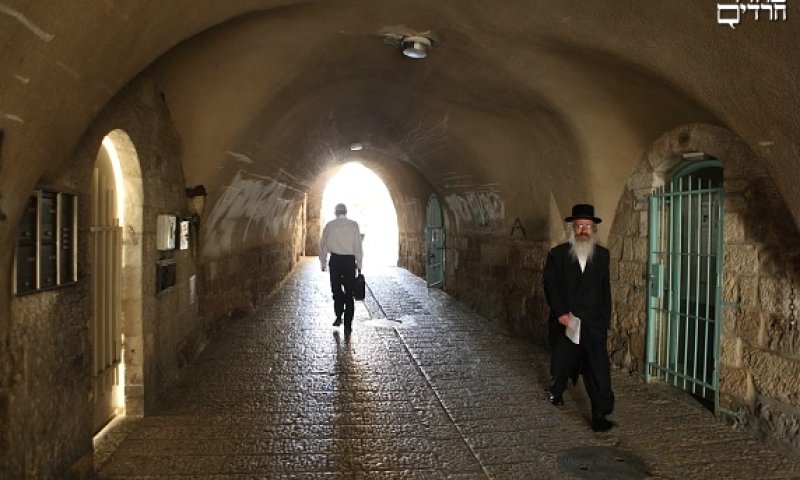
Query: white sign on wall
{"points": [[183, 241]]}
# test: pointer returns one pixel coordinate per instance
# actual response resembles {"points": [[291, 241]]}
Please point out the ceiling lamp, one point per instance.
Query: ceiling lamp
{"points": [[356, 147], [416, 46]]}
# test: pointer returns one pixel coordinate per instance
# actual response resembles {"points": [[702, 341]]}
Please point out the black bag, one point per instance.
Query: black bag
{"points": [[360, 290]]}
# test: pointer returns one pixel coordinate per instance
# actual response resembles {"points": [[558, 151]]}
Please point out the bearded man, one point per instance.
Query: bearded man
{"points": [[578, 291]]}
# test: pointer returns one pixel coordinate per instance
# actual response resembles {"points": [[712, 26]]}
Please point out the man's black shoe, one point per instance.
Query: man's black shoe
{"points": [[602, 424], [337, 322], [556, 399]]}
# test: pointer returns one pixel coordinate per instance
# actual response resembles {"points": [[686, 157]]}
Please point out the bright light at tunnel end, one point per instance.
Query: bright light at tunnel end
{"points": [[368, 203]]}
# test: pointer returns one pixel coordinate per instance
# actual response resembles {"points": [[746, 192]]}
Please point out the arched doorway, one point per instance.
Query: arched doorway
{"points": [[370, 204], [115, 253], [685, 238], [434, 243]]}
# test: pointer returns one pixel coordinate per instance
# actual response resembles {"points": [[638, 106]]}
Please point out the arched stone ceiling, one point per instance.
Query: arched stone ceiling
{"points": [[534, 100]]}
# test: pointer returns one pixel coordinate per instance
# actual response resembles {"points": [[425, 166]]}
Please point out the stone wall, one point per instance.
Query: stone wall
{"points": [[500, 278], [235, 285], [411, 255], [50, 415], [314, 214], [51, 410], [169, 319], [759, 363], [49, 420]]}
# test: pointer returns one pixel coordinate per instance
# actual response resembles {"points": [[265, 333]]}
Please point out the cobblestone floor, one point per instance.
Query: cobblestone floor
{"points": [[422, 389]]}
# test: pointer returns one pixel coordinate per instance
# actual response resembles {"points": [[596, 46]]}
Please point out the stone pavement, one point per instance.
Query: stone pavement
{"points": [[423, 388]]}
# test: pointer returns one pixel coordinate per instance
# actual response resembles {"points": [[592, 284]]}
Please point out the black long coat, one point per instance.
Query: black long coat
{"points": [[586, 294]]}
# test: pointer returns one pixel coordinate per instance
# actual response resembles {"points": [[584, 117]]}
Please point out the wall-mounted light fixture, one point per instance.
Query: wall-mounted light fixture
{"points": [[695, 156], [196, 203], [416, 46]]}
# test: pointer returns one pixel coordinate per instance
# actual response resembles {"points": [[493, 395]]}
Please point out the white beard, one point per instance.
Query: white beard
{"points": [[581, 248]]}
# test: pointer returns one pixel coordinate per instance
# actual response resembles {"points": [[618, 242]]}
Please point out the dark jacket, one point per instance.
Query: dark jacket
{"points": [[586, 294]]}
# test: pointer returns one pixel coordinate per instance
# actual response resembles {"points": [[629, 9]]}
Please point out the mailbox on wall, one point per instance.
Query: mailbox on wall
{"points": [[165, 275], [46, 246], [165, 232]]}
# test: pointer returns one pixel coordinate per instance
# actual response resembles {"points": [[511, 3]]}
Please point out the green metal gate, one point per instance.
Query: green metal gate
{"points": [[685, 281], [434, 241]]}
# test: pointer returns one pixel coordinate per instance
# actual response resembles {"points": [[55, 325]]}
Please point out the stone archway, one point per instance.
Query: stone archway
{"points": [[758, 348], [131, 278], [370, 204]]}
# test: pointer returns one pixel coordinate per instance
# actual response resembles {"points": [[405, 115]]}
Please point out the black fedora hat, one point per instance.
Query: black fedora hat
{"points": [[583, 210]]}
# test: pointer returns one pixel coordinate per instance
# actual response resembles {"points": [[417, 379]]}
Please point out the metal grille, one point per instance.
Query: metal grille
{"points": [[685, 270], [434, 241], [106, 261]]}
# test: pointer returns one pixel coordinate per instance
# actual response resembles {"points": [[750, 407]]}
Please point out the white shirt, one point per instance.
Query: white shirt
{"points": [[582, 260], [343, 237]]}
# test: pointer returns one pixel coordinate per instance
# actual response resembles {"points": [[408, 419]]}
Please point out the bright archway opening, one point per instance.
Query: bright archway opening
{"points": [[368, 203], [116, 260]]}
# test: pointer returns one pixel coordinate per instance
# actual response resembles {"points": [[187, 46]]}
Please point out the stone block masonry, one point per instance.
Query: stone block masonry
{"points": [[758, 348]]}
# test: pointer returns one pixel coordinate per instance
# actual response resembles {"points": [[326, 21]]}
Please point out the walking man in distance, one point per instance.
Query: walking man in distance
{"points": [[341, 238]]}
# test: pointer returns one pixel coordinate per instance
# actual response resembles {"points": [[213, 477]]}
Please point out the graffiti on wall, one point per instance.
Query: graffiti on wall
{"points": [[476, 208], [251, 209]]}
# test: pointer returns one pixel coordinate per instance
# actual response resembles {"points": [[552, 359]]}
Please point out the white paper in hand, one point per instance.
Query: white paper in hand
{"points": [[573, 330]]}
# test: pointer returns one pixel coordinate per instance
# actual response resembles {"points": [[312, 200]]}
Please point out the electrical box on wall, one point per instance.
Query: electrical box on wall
{"points": [[165, 232]]}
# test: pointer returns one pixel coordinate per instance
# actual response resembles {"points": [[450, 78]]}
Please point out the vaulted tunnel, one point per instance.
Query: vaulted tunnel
{"points": [[516, 114]]}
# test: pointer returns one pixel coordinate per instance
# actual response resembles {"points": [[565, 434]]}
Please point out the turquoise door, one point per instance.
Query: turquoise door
{"points": [[685, 281], [434, 242]]}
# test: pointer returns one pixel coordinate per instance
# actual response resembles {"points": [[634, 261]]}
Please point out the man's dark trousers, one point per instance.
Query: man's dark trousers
{"points": [[590, 359], [343, 279]]}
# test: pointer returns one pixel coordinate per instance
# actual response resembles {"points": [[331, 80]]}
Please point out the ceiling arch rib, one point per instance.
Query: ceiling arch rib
{"points": [[503, 34], [281, 115], [250, 93]]}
